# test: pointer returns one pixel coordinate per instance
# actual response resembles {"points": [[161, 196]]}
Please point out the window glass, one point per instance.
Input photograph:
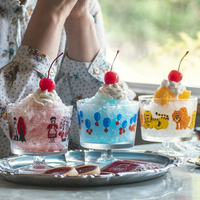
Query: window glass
{"points": [[153, 36]]}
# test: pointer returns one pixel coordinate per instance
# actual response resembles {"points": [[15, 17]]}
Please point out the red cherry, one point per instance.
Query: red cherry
{"points": [[111, 78], [46, 83], [175, 76]]}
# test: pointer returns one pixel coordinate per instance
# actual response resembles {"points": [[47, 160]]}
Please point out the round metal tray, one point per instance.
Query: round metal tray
{"points": [[9, 166]]}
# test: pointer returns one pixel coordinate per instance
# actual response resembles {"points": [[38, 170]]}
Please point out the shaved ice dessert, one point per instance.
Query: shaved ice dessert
{"points": [[40, 123], [108, 119], [170, 114]]}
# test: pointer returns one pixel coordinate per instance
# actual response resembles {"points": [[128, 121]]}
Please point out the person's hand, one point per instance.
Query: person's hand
{"points": [[80, 9]]}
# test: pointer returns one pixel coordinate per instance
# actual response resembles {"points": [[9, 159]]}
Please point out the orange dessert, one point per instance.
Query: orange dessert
{"points": [[169, 114], [172, 88]]}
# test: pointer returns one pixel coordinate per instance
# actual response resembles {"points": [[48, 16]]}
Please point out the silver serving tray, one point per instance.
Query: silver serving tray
{"points": [[8, 169]]}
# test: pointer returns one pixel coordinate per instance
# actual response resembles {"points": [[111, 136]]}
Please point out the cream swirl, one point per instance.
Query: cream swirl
{"points": [[176, 87], [40, 99], [114, 91], [45, 97]]}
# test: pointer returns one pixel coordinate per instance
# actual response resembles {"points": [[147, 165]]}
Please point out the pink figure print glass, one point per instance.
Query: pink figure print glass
{"points": [[39, 131]]}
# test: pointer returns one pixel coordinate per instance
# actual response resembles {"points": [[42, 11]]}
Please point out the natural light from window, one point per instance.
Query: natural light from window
{"points": [[152, 36]]}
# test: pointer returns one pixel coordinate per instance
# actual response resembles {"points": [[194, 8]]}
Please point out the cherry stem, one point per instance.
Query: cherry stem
{"points": [[182, 59], [53, 62], [114, 60]]}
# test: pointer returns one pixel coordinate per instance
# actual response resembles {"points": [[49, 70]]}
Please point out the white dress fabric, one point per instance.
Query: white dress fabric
{"points": [[22, 67]]}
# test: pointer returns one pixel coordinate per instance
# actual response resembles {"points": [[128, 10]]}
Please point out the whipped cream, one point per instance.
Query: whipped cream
{"points": [[42, 98], [176, 87], [45, 97], [114, 91]]}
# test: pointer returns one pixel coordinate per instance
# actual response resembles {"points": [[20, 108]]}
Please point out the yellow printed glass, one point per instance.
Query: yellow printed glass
{"points": [[171, 122]]}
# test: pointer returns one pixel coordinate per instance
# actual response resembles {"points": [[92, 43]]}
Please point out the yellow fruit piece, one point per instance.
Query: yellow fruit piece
{"points": [[163, 95], [185, 95]]}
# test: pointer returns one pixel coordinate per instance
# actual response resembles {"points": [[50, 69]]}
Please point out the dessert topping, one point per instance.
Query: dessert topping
{"points": [[176, 75], [114, 91], [111, 77], [45, 97], [176, 87], [47, 83]]}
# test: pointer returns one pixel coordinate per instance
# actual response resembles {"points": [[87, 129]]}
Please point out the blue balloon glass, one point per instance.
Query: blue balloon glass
{"points": [[107, 126]]}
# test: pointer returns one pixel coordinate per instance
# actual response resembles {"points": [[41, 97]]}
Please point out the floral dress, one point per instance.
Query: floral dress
{"points": [[22, 67]]}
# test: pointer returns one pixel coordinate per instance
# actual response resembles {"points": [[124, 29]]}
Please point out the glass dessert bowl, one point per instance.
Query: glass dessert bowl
{"points": [[172, 122], [39, 130], [108, 119], [169, 115], [107, 123], [107, 126], [39, 126]]}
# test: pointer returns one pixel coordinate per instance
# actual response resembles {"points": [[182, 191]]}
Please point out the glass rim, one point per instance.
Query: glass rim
{"points": [[38, 108], [131, 102], [150, 97]]}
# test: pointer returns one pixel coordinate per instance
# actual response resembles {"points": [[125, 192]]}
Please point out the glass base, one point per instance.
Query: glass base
{"points": [[35, 153], [191, 148], [168, 150], [107, 146], [39, 165], [32, 169], [166, 139], [106, 157]]}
